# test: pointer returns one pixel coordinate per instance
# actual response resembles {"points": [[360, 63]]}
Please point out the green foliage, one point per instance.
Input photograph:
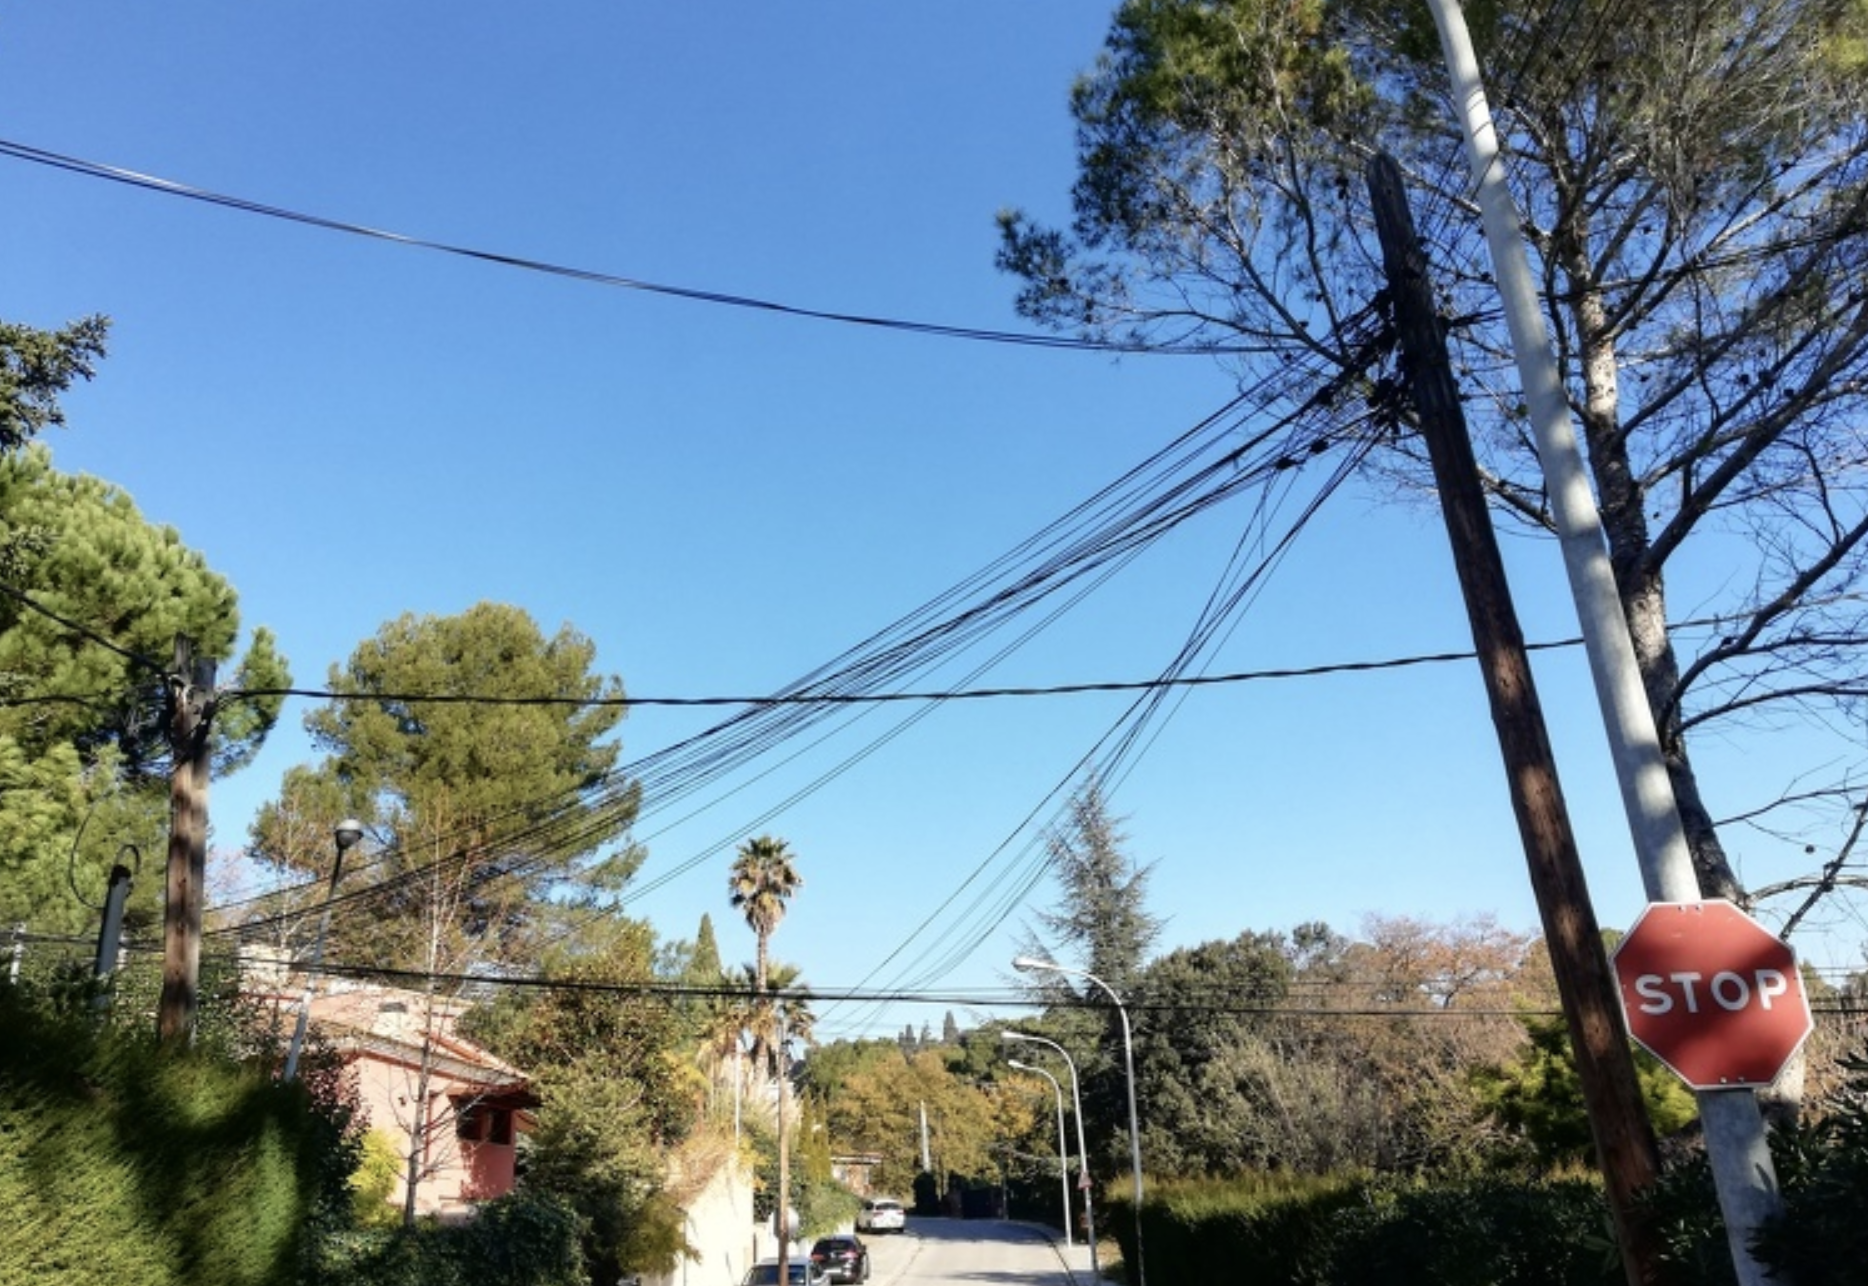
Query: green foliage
{"points": [[878, 1110], [1345, 1231], [513, 802], [1205, 1103], [521, 1239], [827, 1068], [1486, 1232], [1100, 924], [605, 1057], [1690, 181], [375, 1184], [1822, 1166], [122, 1163], [1101, 918], [82, 736], [36, 367], [1539, 1098]]}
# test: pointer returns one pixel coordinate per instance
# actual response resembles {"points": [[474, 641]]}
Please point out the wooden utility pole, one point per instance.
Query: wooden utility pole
{"points": [[1624, 1139], [784, 1158], [190, 716]]}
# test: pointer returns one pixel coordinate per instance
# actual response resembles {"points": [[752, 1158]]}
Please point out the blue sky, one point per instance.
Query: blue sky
{"points": [[725, 498]]}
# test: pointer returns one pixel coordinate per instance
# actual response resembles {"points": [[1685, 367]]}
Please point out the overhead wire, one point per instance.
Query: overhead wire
{"points": [[923, 639], [169, 187], [1125, 736]]}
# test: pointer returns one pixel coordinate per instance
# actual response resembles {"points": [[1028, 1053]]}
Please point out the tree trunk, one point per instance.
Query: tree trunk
{"points": [[1638, 580]]}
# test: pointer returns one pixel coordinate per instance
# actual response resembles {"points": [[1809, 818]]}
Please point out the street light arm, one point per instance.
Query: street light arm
{"points": [[1083, 1151], [1026, 964]]}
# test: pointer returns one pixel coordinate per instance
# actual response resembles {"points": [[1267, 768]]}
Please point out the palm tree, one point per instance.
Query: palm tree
{"points": [[758, 1013], [761, 882]]}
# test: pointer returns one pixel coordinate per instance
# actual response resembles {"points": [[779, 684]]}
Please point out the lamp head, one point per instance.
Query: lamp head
{"points": [[1008, 1035], [347, 833], [1013, 1062], [1025, 964]]}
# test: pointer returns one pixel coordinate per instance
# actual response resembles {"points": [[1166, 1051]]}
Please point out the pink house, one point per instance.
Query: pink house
{"points": [[465, 1129]]}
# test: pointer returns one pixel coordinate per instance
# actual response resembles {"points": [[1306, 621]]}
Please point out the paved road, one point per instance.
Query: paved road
{"points": [[951, 1252]]}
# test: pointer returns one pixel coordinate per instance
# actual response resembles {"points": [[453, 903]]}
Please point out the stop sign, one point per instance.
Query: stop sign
{"points": [[1712, 993]]}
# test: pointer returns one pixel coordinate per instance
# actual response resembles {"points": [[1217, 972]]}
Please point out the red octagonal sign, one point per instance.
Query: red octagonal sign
{"points": [[1712, 993]]}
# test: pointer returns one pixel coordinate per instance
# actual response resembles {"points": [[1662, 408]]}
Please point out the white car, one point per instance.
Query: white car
{"points": [[881, 1214]]}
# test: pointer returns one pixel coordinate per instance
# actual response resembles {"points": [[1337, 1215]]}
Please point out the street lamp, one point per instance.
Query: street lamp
{"points": [[1083, 1152], [1063, 1150], [1026, 964], [347, 834]]}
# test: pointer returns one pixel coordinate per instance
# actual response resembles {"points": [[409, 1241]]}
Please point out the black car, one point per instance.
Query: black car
{"points": [[843, 1259]]}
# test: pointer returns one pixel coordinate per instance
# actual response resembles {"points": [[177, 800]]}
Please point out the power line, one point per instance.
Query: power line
{"points": [[168, 187]]}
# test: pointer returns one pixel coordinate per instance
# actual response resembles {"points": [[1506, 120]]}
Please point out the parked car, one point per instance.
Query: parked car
{"points": [[881, 1214], [803, 1273], [843, 1259]]}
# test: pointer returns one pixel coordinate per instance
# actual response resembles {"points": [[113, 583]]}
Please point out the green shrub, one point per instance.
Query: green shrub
{"points": [[1278, 1230], [522, 1239], [1822, 1168], [126, 1163]]}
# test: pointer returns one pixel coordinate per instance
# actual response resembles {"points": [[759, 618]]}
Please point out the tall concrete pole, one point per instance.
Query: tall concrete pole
{"points": [[1734, 1129], [1083, 1151], [1063, 1147], [1028, 963]]}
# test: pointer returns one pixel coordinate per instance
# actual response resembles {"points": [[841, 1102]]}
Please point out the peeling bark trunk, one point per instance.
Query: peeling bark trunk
{"points": [[1639, 582]]}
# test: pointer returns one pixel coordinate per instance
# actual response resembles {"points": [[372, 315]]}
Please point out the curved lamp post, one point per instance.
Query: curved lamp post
{"points": [[347, 834], [1063, 1149], [1028, 964], [1083, 1152]]}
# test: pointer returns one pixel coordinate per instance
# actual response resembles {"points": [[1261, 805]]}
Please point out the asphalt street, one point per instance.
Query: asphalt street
{"points": [[946, 1252]]}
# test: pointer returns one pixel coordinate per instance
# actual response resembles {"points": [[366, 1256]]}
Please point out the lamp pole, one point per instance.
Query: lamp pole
{"points": [[1083, 1152], [347, 833], [1026, 964], [1063, 1149]]}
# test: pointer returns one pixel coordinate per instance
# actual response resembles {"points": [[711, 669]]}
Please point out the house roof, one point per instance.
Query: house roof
{"points": [[390, 1024]]}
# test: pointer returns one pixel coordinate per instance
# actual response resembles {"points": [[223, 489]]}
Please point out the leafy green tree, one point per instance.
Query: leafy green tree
{"points": [[879, 1110], [494, 819], [36, 368], [1538, 1098], [604, 1053], [1102, 918], [703, 967], [1101, 924], [1198, 1007], [1692, 181], [829, 1066], [100, 594]]}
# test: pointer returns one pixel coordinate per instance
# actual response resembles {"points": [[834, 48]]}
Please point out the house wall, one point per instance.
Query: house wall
{"points": [[454, 1174], [719, 1225]]}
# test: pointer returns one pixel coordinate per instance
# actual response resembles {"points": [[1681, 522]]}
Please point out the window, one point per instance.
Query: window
{"points": [[482, 1124]]}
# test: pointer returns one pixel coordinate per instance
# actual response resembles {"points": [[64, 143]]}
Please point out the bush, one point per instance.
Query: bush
{"points": [[522, 1239], [126, 1163], [1283, 1230]]}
